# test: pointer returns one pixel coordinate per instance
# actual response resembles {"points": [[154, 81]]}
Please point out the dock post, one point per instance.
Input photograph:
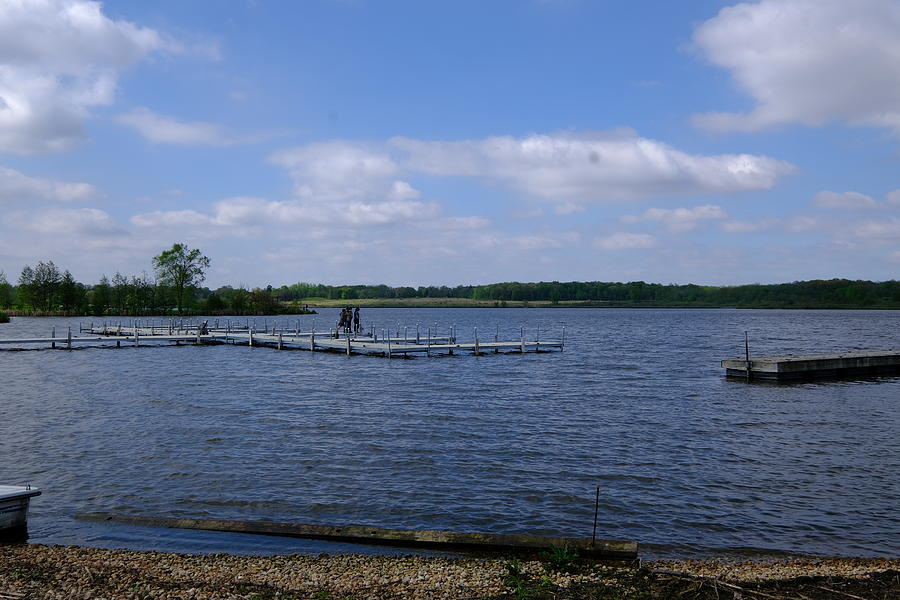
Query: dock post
{"points": [[69, 338], [417, 333], [136, 337], [53, 335], [596, 510], [280, 343], [348, 345], [537, 339], [477, 349], [428, 351], [522, 339], [251, 338], [497, 339], [563, 344], [388, 342], [747, 356], [312, 340]]}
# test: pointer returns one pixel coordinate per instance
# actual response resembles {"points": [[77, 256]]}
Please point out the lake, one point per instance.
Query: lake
{"points": [[689, 463]]}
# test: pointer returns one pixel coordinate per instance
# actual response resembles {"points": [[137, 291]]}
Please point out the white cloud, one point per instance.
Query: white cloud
{"points": [[400, 190], [592, 167], [679, 219], [162, 129], [625, 241], [171, 219], [338, 170], [75, 222], [847, 200], [808, 62], [568, 208], [887, 229], [16, 187], [893, 198], [245, 215], [749, 226], [58, 59]]}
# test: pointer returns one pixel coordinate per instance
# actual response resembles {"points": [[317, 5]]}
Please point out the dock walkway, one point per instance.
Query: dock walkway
{"points": [[398, 346]]}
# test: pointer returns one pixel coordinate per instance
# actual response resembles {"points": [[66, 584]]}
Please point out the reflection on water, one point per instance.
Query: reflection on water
{"points": [[687, 461]]}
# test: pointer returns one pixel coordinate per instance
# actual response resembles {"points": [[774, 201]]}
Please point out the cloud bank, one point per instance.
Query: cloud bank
{"points": [[808, 62], [593, 167]]}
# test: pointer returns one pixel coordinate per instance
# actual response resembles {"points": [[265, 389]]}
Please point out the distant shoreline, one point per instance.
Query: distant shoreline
{"points": [[419, 303]]}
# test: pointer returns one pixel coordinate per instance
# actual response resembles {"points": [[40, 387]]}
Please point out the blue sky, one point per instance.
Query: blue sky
{"points": [[421, 143]]}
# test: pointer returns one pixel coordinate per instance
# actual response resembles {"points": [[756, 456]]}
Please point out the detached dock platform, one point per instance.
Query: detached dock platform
{"points": [[814, 366]]}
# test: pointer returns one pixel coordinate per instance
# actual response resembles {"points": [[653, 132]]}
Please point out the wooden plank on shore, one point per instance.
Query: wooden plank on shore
{"points": [[360, 534]]}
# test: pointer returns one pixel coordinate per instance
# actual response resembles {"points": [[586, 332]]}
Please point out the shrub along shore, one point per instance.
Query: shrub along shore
{"points": [[45, 572]]}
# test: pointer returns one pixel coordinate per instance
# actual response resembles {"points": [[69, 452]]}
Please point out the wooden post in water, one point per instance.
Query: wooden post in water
{"points": [[136, 336], [69, 338], [428, 351], [563, 344], [251, 338], [747, 356], [348, 345], [477, 352], [522, 339], [312, 340], [537, 339], [417, 333], [389, 343], [596, 510], [53, 335]]}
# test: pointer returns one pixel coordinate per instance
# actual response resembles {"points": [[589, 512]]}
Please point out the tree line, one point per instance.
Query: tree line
{"points": [[832, 293], [174, 287]]}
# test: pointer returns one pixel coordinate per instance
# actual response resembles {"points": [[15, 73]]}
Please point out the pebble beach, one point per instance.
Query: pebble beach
{"points": [[55, 572]]}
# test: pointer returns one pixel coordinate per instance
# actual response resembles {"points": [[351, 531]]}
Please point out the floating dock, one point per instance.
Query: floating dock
{"points": [[814, 366], [400, 345], [360, 534]]}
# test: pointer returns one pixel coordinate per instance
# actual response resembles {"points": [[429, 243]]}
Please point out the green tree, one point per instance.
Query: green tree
{"points": [[6, 292], [181, 268], [101, 297], [69, 292]]}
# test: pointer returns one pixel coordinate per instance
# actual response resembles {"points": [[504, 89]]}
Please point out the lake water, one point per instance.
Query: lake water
{"points": [[689, 463]]}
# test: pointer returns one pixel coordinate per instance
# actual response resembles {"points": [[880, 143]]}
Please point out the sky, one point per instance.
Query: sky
{"points": [[453, 143]]}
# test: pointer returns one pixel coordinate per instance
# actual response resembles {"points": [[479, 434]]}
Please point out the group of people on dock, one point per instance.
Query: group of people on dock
{"points": [[349, 321]]}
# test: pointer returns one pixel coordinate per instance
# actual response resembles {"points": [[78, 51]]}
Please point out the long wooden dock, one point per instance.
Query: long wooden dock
{"points": [[814, 366], [360, 534], [366, 343]]}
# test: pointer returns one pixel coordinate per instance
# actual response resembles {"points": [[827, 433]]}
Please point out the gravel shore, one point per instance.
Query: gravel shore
{"points": [[56, 572]]}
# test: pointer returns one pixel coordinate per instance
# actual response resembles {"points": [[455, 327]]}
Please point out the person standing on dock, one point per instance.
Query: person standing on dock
{"points": [[356, 320]]}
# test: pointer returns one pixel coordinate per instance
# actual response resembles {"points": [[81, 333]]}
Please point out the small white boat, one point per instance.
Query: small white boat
{"points": [[14, 506]]}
